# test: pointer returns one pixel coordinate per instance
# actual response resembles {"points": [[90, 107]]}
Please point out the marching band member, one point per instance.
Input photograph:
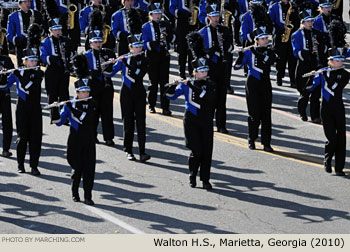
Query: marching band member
{"points": [[157, 35], [259, 59], [200, 100], [133, 93], [305, 42], [218, 42], [81, 146], [321, 23], [18, 24], [279, 13], [120, 26], [333, 81], [55, 52], [5, 104], [84, 21], [180, 9], [28, 111], [101, 86]]}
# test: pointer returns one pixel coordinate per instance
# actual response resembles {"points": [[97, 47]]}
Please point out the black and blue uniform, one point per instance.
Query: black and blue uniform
{"points": [[133, 100], [333, 114], [200, 102], [5, 103], [121, 30], [28, 114], [258, 90]]}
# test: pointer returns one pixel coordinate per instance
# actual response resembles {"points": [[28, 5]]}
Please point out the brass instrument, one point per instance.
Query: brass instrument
{"points": [[287, 25], [194, 10], [72, 8], [336, 4], [106, 27], [225, 15]]}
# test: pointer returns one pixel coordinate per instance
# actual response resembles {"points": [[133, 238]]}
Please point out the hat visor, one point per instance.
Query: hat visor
{"points": [[337, 57], [56, 27], [325, 5], [32, 57], [214, 14], [96, 39], [202, 69], [136, 44], [84, 88], [260, 36], [308, 19], [157, 11], [256, 2]]}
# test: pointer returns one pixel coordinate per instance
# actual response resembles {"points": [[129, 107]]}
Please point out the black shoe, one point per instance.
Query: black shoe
{"points": [[230, 90], [207, 185], [130, 156], [251, 144], [109, 142], [35, 171], [89, 202], [166, 112], [144, 157], [268, 148], [223, 130], [279, 82], [76, 198], [151, 110], [6, 154], [339, 173], [193, 182], [316, 120], [97, 141], [21, 169], [328, 167], [303, 118]]}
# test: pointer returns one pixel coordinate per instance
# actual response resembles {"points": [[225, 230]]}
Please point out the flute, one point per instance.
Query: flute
{"points": [[58, 104], [19, 69], [326, 69], [128, 55], [176, 82]]}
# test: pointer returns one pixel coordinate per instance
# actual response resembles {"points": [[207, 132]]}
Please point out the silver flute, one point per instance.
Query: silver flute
{"points": [[326, 69], [59, 104], [19, 69], [126, 56]]}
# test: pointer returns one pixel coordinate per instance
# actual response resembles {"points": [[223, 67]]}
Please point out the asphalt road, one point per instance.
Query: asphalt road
{"points": [[254, 191]]}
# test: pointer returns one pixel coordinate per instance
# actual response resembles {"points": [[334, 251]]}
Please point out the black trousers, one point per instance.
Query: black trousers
{"points": [[218, 74], [228, 69], [199, 139], [158, 73], [305, 96], [333, 118], [56, 85], [133, 106], [285, 55], [236, 34], [81, 156], [259, 103], [104, 105], [184, 55], [29, 131], [5, 110]]}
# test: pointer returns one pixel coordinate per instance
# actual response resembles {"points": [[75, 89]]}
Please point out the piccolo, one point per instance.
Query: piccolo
{"points": [[128, 55], [176, 82], [326, 69], [19, 69], [58, 104]]}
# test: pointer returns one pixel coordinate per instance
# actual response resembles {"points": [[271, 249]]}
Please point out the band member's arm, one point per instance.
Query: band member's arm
{"points": [[298, 51], [116, 68], [267, 58], [45, 56], [317, 80], [241, 60], [84, 21], [148, 43], [11, 30], [138, 72], [172, 94]]}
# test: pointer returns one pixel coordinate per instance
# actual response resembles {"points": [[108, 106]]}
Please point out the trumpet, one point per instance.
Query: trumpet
{"points": [[325, 69], [59, 104], [72, 8], [19, 69]]}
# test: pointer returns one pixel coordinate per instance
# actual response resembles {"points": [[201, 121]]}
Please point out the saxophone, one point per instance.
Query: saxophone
{"points": [[72, 8], [194, 10], [106, 27], [225, 15], [287, 25]]}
